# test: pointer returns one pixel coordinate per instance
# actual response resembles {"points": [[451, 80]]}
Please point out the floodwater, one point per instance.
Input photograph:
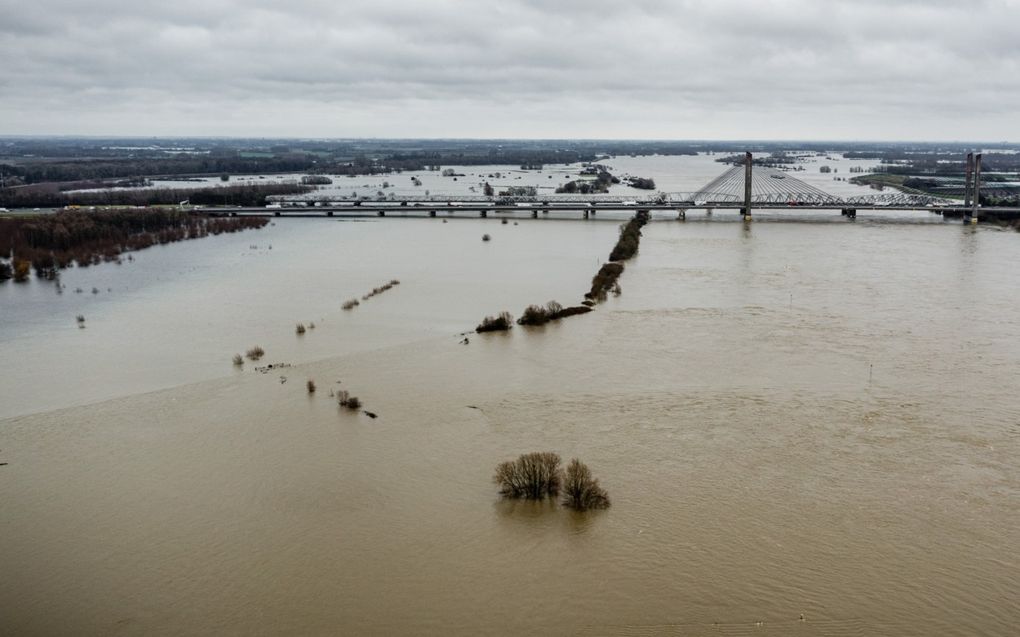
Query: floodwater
{"points": [[805, 429]]}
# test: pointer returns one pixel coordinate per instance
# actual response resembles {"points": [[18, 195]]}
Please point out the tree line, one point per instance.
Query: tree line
{"points": [[239, 195], [52, 242]]}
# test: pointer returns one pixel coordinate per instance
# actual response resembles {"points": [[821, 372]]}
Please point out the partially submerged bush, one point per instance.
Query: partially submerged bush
{"points": [[534, 315], [255, 353], [350, 304], [539, 315], [300, 328], [501, 322], [311, 386], [604, 280], [344, 399], [630, 237], [486, 237], [238, 360], [581, 491], [533, 476]]}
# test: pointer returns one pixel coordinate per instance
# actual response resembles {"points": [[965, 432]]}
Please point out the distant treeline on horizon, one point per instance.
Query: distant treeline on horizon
{"points": [[25, 161]]}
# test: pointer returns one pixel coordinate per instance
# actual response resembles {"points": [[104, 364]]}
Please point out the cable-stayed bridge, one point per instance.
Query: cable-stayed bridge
{"points": [[771, 186], [744, 188]]}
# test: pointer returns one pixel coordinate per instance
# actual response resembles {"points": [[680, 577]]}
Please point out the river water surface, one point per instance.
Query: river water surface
{"points": [[805, 428]]}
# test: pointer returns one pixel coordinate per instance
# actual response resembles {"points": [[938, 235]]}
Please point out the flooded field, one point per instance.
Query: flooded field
{"points": [[671, 173], [805, 429]]}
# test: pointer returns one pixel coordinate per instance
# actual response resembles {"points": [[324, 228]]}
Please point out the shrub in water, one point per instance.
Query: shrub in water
{"points": [[255, 353], [300, 328], [604, 280], [532, 476], [581, 491], [238, 360], [630, 237], [311, 386], [344, 399], [502, 322], [534, 315]]}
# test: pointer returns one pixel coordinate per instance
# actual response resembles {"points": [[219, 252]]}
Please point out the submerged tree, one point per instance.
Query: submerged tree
{"points": [[501, 322], [580, 490], [533, 476]]}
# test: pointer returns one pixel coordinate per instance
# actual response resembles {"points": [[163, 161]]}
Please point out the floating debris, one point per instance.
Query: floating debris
{"points": [[265, 369]]}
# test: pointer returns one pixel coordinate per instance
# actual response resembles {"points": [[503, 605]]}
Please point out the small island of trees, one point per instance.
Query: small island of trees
{"points": [[538, 475]]}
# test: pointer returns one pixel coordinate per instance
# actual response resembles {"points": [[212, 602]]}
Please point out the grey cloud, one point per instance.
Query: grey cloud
{"points": [[525, 68]]}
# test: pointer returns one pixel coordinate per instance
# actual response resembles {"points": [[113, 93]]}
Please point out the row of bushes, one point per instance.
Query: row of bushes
{"points": [[605, 280], [350, 304], [532, 315], [239, 195], [630, 237], [552, 311], [538, 475]]}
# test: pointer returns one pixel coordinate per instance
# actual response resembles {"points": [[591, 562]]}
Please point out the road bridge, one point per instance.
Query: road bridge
{"points": [[743, 188]]}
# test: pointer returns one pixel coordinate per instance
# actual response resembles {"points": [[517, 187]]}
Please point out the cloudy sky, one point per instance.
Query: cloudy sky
{"points": [[662, 69]]}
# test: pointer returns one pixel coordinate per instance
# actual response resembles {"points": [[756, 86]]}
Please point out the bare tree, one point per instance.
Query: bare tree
{"points": [[581, 491], [533, 476]]}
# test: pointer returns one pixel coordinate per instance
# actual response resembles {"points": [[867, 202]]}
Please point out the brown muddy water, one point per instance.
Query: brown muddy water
{"points": [[805, 429]]}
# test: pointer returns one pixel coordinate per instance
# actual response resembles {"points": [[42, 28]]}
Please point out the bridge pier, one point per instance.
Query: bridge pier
{"points": [[586, 214], [432, 213], [381, 213], [849, 213], [275, 214], [681, 214], [329, 213], [483, 214], [534, 214]]}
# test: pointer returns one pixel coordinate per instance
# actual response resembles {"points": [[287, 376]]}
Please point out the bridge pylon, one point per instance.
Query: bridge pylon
{"points": [[748, 160], [977, 189], [968, 180]]}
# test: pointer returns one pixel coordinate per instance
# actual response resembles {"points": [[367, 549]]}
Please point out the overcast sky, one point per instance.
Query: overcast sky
{"points": [[662, 69]]}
